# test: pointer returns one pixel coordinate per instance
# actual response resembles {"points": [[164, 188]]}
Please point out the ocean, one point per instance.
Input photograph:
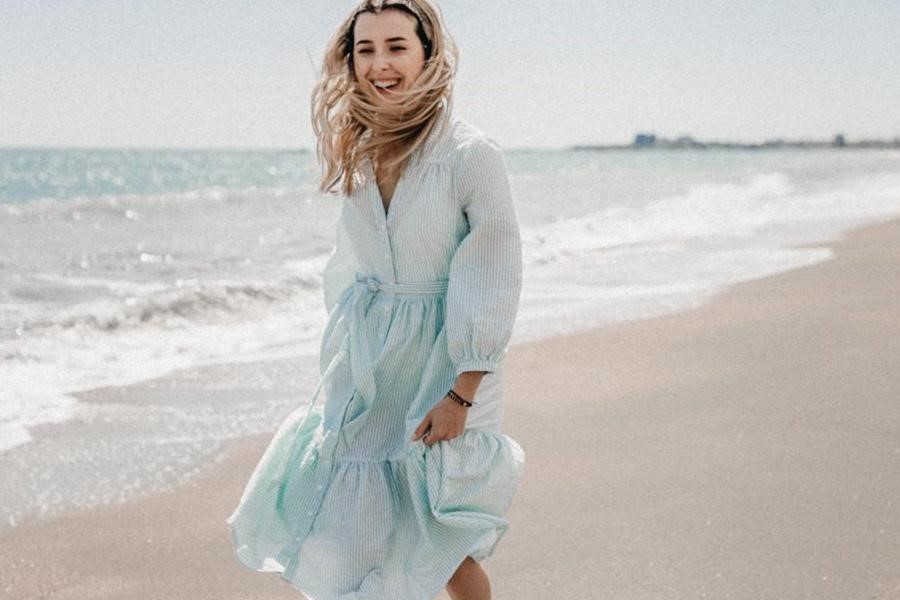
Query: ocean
{"points": [[121, 266]]}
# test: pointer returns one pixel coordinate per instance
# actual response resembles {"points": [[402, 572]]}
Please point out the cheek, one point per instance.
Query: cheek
{"points": [[359, 67], [413, 67]]}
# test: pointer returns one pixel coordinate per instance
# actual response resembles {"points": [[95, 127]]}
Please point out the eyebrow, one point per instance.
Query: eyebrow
{"points": [[389, 40]]}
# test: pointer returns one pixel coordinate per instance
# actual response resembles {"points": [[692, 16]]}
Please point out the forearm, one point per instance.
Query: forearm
{"points": [[467, 383]]}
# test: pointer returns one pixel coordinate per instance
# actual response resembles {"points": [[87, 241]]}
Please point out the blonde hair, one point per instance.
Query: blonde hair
{"points": [[349, 127]]}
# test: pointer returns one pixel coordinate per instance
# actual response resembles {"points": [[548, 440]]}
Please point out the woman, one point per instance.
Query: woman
{"points": [[398, 485]]}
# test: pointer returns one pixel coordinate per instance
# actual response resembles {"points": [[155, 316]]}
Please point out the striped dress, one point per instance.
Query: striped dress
{"points": [[342, 504]]}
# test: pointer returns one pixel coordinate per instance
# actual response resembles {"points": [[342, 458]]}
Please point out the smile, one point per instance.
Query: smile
{"points": [[386, 84]]}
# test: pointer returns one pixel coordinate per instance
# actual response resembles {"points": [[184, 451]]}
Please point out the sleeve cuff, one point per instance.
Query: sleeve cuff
{"points": [[476, 365]]}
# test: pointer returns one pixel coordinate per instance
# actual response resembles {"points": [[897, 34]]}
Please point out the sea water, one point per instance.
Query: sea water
{"points": [[119, 266]]}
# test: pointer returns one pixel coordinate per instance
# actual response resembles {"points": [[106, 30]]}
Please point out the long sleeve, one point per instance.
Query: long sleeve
{"points": [[340, 269], [485, 278]]}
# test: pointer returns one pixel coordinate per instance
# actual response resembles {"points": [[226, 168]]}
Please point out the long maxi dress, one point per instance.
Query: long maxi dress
{"points": [[342, 503]]}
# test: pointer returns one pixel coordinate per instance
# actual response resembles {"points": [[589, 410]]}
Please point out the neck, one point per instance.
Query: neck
{"points": [[384, 155]]}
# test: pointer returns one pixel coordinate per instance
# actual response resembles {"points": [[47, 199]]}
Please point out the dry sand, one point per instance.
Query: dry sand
{"points": [[746, 449]]}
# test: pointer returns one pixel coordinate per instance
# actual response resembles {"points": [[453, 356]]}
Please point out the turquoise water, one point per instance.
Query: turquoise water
{"points": [[32, 174]]}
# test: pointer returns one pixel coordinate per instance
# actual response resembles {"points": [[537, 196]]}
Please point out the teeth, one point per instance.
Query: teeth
{"points": [[386, 83]]}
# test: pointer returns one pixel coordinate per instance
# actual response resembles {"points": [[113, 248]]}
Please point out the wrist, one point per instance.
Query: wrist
{"points": [[458, 399], [467, 383]]}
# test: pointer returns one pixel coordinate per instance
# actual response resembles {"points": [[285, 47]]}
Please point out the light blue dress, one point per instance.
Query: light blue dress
{"points": [[342, 503]]}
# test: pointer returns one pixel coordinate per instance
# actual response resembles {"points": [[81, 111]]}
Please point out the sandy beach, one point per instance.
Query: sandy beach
{"points": [[746, 449]]}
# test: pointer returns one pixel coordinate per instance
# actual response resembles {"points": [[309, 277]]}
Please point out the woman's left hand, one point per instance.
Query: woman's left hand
{"points": [[444, 421]]}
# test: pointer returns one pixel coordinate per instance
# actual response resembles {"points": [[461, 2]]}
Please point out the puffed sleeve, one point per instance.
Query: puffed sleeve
{"points": [[485, 278], [340, 269]]}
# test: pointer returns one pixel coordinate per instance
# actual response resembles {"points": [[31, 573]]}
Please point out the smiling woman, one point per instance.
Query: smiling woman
{"points": [[398, 486], [404, 41]]}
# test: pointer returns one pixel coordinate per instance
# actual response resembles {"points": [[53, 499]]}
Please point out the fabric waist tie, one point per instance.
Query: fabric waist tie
{"points": [[371, 283]]}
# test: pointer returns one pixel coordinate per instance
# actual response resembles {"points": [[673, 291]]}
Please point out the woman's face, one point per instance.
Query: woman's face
{"points": [[387, 52]]}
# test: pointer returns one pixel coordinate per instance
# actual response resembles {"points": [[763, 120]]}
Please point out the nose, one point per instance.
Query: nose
{"points": [[381, 62]]}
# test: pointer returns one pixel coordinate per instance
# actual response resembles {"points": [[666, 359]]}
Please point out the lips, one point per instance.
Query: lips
{"points": [[384, 85]]}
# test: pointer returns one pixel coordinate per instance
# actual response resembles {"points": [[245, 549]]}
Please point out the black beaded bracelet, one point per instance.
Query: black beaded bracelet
{"points": [[459, 399]]}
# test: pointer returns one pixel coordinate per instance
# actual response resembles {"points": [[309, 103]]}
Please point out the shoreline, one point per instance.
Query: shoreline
{"points": [[717, 451]]}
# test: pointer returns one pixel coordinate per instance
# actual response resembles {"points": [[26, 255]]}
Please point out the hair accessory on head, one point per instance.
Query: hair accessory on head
{"points": [[411, 7], [366, 6]]}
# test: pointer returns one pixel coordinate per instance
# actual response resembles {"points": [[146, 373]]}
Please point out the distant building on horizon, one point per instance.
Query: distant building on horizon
{"points": [[642, 140], [839, 141]]}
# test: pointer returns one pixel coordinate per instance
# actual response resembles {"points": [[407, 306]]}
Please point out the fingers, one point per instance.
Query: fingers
{"points": [[436, 433], [426, 432], [432, 438], [441, 423], [422, 428]]}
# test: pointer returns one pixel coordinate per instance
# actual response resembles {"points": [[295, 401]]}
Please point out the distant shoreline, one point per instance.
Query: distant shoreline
{"points": [[650, 141]]}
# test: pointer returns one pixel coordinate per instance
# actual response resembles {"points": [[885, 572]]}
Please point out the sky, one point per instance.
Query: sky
{"points": [[238, 74]]}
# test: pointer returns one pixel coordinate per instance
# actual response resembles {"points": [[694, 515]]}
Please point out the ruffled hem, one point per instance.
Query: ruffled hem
{"points": [[433, 506]]}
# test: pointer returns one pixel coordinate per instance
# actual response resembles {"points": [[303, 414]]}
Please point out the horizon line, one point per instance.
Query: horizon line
{"points": [[662, 141]]}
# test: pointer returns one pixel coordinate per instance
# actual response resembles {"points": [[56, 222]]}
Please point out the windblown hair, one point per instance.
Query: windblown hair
{"points": [[350, 127]]}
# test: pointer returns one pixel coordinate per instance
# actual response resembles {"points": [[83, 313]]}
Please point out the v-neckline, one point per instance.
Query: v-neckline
{"points": [[398, 187], [387, 209], [415, 158]]}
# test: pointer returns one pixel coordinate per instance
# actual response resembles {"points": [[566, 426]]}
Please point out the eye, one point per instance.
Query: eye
{"points": [[398, 48], [364, 51]]}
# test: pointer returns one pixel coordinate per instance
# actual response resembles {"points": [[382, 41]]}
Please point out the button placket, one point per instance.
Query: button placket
{"points": [[324, 474], [383, 219]]}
